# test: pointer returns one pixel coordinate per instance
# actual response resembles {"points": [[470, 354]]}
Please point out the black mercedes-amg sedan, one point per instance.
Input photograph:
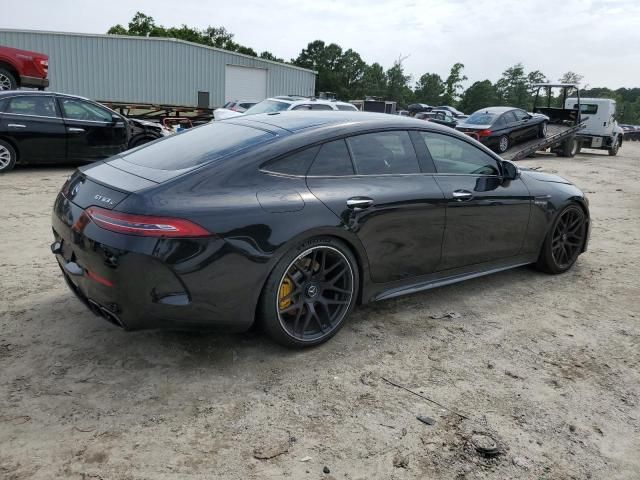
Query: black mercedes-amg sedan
{"points": [[500, 128], [290, 219]]}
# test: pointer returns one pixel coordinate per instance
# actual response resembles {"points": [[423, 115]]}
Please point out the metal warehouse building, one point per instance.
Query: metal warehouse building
{"points": [[157, 70]]}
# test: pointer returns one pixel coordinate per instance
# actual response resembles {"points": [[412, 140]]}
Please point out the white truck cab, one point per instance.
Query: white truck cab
{"points": [[602, 130]]}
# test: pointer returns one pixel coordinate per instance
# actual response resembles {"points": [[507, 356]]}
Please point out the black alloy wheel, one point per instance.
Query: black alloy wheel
{"points": [[503, 144], [313, 294], [565, 241]]}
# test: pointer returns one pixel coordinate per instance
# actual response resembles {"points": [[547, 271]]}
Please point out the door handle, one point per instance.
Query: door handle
{"points": [[359, 203], [16, 125], [75, 130], [462, 195]]}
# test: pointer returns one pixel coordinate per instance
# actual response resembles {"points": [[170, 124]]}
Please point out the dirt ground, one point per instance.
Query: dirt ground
{"points": [[548, 366]]}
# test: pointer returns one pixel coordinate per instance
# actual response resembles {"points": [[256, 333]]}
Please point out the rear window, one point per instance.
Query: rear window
{"points": [[481, 118], [197, 146]]}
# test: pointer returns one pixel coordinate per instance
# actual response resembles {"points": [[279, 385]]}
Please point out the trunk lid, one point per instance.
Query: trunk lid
{"points": [[102, 185]]}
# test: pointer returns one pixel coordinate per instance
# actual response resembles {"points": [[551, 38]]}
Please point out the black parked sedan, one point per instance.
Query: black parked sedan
{"points": [[49, 128], [500, 128], [293, 218]]}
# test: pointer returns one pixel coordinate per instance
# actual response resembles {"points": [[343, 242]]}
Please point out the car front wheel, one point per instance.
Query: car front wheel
{"points": [[7, 80], [310, 293], [542, 132], [565, 240], [613, 150]]}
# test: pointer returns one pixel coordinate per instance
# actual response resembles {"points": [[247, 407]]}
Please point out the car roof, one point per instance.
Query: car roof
{"points": [[30, 93], [300, 100], [496, 109], [294, 121]]}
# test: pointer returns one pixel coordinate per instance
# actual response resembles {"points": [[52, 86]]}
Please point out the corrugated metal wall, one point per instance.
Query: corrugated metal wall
{"points": [[146, 70]]}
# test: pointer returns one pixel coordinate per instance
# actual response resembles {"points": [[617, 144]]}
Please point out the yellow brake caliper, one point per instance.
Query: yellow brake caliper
{"points": [[285, 289]]}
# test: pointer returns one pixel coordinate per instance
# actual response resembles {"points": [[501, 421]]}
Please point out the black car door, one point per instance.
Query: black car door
{"points": [[374, 184], [34, 126], [93, 132], [513, 126], [487, 218], [527, 128]]}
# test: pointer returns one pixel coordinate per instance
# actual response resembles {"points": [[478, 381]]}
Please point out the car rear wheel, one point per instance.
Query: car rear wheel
{"points": [[7, 80], [8, 157], [503, 144], [565, 241], [310, 293]]}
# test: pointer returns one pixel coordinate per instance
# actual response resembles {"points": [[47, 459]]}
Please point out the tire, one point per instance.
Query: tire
{"points": [[579, 148], [503, 144], [8, 80], [8, 157], [569, 148], [542, 131], [136, 142], [613, 151], [309, 281], [564, 241]]}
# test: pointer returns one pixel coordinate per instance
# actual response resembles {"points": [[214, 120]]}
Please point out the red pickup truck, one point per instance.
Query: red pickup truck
{"points": [[21, 68]]}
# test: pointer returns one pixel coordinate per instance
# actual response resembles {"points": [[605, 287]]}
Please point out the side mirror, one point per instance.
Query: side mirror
{"points": [[510, 171], [115, 119]]}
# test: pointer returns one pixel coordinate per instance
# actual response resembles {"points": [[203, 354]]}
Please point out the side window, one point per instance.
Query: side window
{"points": [[452, 155], [383, 153], [321, 106], [509, 117], [302, 107], [41, 106], [332, 160], [79, 110], [499, 123], [294, 164], [349, 108], [521, 114]]}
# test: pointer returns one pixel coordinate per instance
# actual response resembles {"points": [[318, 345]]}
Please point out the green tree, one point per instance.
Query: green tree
{"points": [[270, 56], [479, 95], [374, 82], [571, 77], [398, 84], [453, 84], [429, 89], [512, 87], [142, 25]]}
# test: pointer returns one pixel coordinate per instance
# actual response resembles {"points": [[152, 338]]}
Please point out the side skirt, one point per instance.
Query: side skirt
{"points": [[448, 277]]}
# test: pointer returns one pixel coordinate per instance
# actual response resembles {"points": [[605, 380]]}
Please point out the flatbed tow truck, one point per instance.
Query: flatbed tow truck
{"points": [[563, 124]]}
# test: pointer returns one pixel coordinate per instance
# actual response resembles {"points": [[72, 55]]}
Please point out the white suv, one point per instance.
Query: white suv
{"points": [[286, 102]]}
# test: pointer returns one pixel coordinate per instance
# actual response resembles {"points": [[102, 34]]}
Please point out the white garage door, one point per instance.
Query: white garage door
{"points": [[245, 84]]}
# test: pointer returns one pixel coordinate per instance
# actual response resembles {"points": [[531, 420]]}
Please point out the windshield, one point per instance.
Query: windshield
{"points": [[267, 106], [481, 118]]}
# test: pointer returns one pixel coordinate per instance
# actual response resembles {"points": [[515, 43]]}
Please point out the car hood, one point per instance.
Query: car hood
{"points": [[543, 176]]}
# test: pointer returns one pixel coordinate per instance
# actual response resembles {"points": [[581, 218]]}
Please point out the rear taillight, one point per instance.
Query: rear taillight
{"points": [[45, 65], [484, 133], [145, 225]]}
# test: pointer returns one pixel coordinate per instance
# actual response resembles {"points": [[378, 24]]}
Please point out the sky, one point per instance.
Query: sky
{"points": [[599, 39]]}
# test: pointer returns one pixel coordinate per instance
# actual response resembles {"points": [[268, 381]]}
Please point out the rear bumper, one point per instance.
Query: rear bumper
{"points": [[33, 82], [149, 283]]}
